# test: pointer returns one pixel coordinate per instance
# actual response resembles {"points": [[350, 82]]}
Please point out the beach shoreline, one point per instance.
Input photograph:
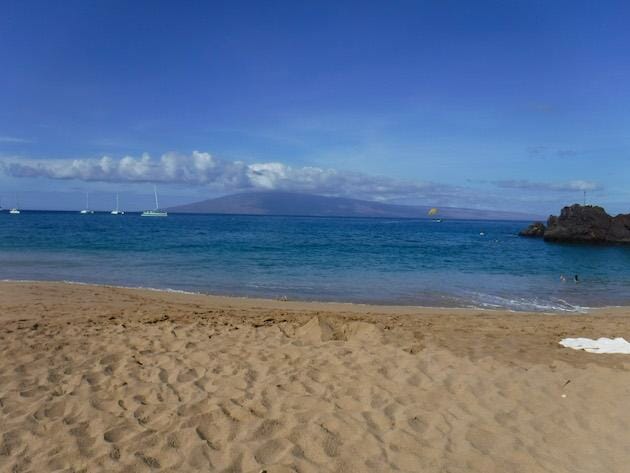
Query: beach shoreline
{"points": [[117, 379], [313, 303]]}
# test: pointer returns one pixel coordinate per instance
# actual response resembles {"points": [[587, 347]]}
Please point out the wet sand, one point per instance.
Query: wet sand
{"points": [[95, 378]]}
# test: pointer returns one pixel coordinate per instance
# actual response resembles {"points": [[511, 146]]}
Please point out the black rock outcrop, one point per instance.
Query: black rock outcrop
{"points": [[583, 224], [535, 230]]}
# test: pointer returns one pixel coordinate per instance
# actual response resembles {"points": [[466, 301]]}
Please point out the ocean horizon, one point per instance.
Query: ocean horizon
{"points": [[453, 263]]}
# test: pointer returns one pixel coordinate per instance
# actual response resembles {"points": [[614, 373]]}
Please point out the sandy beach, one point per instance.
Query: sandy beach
{"points": [[97, 378]]}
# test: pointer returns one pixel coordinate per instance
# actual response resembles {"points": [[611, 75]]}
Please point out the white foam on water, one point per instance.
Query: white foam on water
{"points": [[521, 304], [115, 286], [144, 288], [601, 345], [469, 299]]}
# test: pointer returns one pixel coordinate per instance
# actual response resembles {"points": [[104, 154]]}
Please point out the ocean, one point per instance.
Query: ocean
{"points": [[380, 261]]}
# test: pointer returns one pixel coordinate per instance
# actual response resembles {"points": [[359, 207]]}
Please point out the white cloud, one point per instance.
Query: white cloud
{"points": [[13, 139], [203, 169], [570, 186], [223, 176]]}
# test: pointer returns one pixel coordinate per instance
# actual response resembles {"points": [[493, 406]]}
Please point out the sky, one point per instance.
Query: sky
{"points": [[507, 105]]}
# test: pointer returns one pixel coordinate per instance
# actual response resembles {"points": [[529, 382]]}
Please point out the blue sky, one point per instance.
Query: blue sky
{"points": [[508, 104]]}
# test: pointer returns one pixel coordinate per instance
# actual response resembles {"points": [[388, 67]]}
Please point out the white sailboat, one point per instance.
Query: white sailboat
{"points": [[15, 210], [87, 210], [117, 211], [156, 212]]}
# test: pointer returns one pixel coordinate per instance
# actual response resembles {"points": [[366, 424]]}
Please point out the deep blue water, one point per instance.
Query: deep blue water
{"points": [[329, 259]]}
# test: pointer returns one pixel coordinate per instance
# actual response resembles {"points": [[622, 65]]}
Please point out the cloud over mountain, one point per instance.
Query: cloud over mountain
{"points": [[203, 169], [225, 176]]}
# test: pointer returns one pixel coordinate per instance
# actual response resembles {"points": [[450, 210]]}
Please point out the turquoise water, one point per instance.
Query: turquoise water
{"points": [[329, 259]]}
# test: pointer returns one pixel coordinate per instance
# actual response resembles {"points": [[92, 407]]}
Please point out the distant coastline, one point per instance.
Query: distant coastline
{"points": [[294, 204], [422, 218]]}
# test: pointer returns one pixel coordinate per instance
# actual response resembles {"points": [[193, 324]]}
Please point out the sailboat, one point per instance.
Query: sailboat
{"points": [[117, 211], [87, 210], [156, 212], [15, 210]]}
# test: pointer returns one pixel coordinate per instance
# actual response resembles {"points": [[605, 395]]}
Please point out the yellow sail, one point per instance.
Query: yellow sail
{"points": [[433, 211]]}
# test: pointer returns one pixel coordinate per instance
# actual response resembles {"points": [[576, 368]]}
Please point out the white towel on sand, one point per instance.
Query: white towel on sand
{"points": [[601, 345]]}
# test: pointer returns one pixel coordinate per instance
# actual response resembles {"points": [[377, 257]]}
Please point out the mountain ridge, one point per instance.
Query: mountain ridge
{"points": [[282, 203]]}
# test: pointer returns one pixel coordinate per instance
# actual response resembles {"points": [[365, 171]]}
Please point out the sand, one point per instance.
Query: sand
{"points": [[108, 379]]}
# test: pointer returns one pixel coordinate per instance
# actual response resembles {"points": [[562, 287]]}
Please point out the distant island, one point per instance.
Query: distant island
{"points": [[311, 205], [582, 224]]}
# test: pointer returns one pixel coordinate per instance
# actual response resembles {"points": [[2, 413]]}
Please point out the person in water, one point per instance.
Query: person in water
{"points": [[576, 279]]}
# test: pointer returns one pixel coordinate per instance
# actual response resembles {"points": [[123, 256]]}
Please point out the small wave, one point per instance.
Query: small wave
{"points": [[521, 304], [469, 299], [145, 288], [115, 286]]}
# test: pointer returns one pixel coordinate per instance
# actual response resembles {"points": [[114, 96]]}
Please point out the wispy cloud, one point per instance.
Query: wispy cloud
{"points": [[13, 139], [203, 169], [537, 151], [546, 152], [570, 186], [543, 107], [567, 153]]}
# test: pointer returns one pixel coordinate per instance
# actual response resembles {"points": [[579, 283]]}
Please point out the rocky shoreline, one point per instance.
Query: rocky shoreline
{"points": [[582, 224]]}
